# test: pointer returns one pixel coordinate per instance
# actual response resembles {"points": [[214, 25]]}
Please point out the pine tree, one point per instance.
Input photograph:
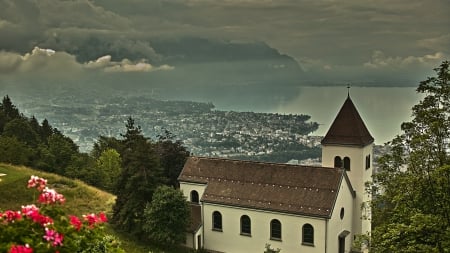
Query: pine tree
{"points": [[140, 175]]}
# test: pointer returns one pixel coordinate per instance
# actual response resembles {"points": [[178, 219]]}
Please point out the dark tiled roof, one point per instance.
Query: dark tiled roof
{"points": [[196, 217], [285, 188], [348, 128]]}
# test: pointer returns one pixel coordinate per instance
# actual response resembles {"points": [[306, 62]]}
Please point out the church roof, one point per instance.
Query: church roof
{"points": [[196, 218], [348, 128], [286, 188]]}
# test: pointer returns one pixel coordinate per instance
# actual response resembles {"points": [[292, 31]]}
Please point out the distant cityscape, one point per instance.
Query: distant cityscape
{"points": [[203, 130]]}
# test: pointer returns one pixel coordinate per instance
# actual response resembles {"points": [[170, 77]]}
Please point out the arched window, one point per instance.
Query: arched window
{"points": [[308, 234], [347, 163], [194, 196], [337, 162], [275, 230], [217, 221], [246, 227]]}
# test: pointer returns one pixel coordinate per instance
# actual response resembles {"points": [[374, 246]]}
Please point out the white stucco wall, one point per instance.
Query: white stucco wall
{"points": [[186, 188], [336, 225], [231, 241], [358, 176]]}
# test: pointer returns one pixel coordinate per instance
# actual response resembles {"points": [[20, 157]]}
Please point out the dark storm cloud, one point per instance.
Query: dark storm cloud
{"points": [[332, 40]]}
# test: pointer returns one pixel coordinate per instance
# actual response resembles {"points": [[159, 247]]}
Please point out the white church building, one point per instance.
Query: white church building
{"points": [[240, 206]]}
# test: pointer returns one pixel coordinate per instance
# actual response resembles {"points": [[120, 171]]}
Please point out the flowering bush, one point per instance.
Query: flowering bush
{"points": [[45, 228]]}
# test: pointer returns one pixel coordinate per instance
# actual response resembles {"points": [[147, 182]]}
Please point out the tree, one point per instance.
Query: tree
{"points": [[140, 175], [167, 217], [62, 148], [22, 130], [103, 143], [14, 151], [411, 206], [10, 110], [172, 156], [108, 166]]}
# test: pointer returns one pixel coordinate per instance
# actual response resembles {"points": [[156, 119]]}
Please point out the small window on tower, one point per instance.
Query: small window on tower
{"points": [[367, 162], [347, 163], [337, 162]]}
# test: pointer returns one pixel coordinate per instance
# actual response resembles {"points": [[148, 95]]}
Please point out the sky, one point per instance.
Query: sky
{"points": [[333, 40], [119, 43]]}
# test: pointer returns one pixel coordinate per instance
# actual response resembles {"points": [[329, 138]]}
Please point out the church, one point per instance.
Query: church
{"points": [[240, 206]]}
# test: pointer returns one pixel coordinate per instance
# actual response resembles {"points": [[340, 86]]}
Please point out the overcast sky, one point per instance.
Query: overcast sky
{"points": [[334, 38]]}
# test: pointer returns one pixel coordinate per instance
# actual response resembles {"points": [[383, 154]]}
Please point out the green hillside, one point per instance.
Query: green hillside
{"points": [[81, 198]]}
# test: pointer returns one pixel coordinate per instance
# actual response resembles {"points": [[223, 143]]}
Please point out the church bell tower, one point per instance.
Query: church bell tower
{"points": [[348, 145]]}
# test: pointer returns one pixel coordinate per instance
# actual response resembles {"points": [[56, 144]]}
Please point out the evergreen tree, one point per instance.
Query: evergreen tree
{"points": [[140, 175], [411, 206], [10, 110], [172, 155]]}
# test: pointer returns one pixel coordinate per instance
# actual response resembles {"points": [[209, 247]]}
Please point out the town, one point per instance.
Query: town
{"points": [[202, 129]]}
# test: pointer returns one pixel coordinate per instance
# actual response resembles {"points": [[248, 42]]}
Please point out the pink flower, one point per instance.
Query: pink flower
{"points": [[29, 210], [54, 237], [50, 196], [75, 222], [93, 219], [20, 249], [90, 218], [32, 212], [102, 217], [11, 216], [37, 182]]}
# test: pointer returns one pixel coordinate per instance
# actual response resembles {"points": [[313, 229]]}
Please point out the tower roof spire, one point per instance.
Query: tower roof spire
{"points": [[348, 128]]}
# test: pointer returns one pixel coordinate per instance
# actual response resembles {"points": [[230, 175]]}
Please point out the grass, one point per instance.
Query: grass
{"points": [[80, 199]]}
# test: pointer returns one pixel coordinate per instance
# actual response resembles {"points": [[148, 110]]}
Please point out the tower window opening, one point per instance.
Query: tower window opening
{"points": [[367, 162], [337, 162], [347, 163]]}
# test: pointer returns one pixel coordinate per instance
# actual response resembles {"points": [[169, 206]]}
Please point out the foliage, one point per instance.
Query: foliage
{"points": [[108, 167], [172, 157], [411, 206], [167, 217], [46, 228], [140, 175], [268, 249], [26, 142]]}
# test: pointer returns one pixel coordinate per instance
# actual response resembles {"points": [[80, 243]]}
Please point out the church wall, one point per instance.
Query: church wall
{"points": [[358, 176], [186, 188], [336, 225], [192, 239], [230, 240]]}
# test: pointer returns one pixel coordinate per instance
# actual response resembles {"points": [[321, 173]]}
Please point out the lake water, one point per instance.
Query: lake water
{"points": [[383, 109]]}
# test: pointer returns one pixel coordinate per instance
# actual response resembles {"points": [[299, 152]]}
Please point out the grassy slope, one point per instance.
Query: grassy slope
{"points": [[80, 198]]}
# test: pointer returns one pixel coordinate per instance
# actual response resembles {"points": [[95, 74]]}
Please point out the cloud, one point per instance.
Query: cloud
{"points": [[380, 60], [125, 65], [336, 39], [46, 64], [39, 62]]}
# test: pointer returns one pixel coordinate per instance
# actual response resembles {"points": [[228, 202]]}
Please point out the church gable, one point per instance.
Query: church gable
{"points": [[294, 189]]}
